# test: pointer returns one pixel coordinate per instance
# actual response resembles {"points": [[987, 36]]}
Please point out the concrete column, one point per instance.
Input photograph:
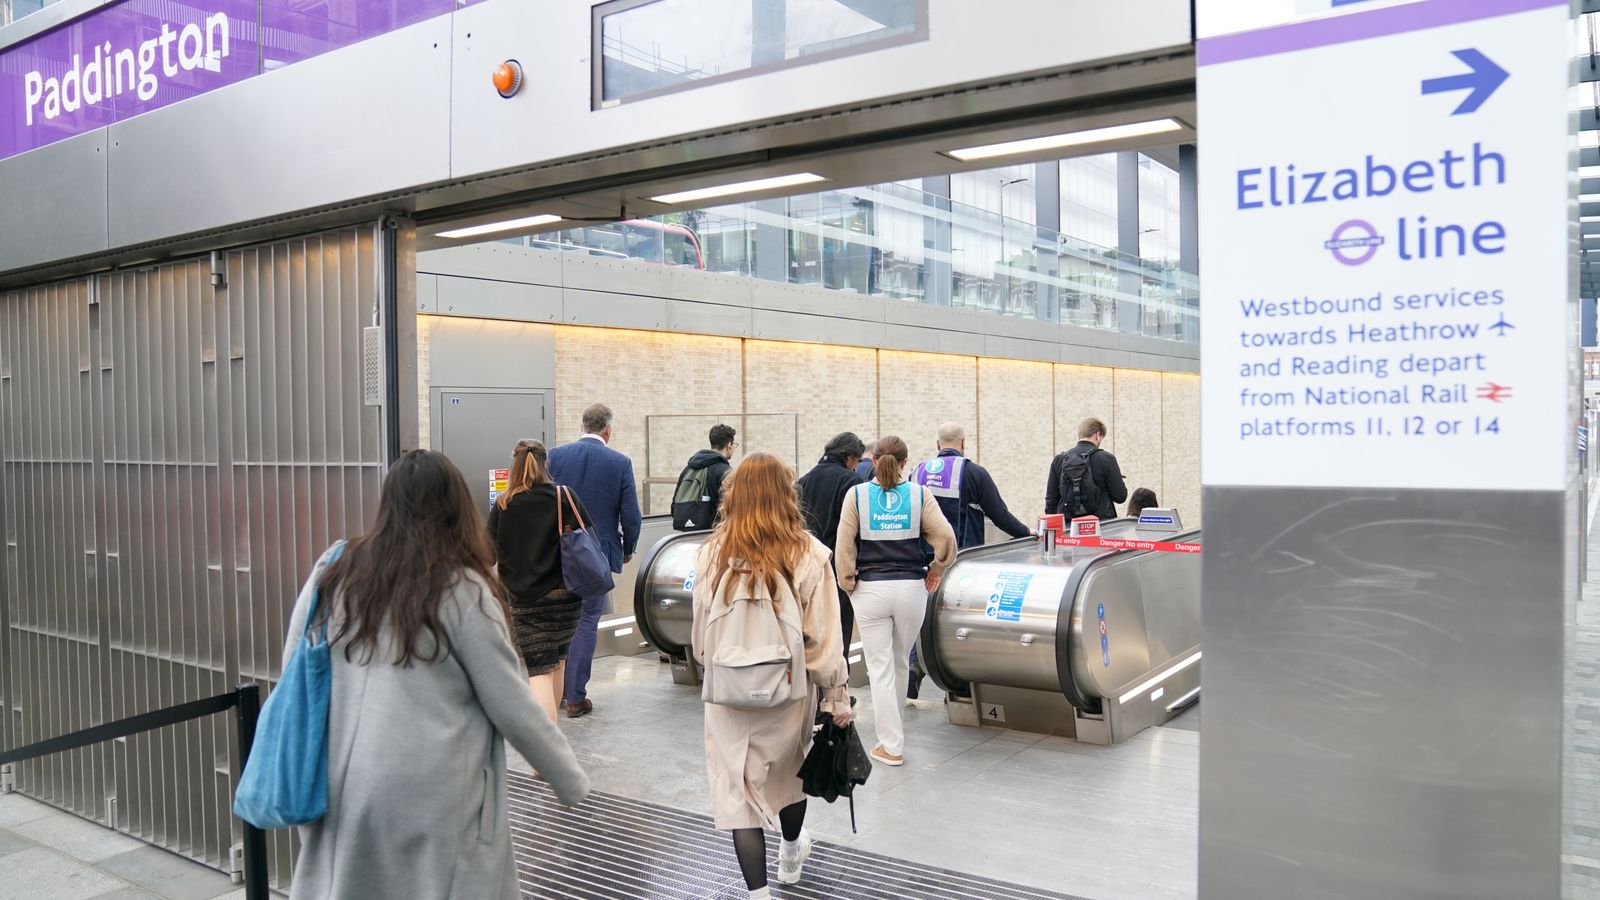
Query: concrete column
{"points": [[1047, 218], [937, 238], [1128, 310], [768, 29], [1188, 209], [771, 243]]}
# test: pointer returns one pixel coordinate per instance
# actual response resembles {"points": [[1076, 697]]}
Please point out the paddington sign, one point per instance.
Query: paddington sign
{"points": [[126, 59]]}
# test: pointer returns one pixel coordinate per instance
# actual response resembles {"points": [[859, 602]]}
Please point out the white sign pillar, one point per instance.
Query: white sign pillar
{"points": [[1388, 226]]}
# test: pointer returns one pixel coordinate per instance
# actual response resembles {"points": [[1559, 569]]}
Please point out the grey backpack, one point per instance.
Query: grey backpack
{"points": [[754, 649]]}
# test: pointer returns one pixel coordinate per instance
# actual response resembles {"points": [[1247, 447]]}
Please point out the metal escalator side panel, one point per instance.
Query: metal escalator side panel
{"points": [[663, 595], [1151, 613], [994, 618], [930, 653]]}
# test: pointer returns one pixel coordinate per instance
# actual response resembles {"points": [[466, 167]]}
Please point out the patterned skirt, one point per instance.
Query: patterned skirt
{"points": [[543, 627]]}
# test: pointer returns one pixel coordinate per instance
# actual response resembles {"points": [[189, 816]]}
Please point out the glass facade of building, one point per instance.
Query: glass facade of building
{"points": [[980, 248]]}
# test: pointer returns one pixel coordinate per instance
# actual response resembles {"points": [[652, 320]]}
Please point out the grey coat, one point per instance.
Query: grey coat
{"points": [[417, 767]]}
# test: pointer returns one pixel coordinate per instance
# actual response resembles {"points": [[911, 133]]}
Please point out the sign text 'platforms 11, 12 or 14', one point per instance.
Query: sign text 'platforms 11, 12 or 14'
{"points": [[1386, 302]]}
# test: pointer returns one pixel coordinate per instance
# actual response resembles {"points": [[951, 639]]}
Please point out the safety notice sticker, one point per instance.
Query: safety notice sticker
{"points": [[1005, 601]]}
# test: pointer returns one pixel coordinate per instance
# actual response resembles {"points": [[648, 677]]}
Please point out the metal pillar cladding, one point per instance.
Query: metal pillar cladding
{"points": [[1385, 627], [178, 443]]}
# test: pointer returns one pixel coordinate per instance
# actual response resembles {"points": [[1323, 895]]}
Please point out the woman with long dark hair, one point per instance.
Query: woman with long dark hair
{"points": [[885, 527], [426, 684], [761, 558], [526, 523]]}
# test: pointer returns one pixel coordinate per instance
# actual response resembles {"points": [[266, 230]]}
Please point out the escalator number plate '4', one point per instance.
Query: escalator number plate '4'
{"points": [[994, 713]]}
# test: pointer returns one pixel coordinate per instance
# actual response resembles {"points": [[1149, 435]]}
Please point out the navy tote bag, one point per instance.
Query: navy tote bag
{"points": [[584, 567], [285, 781]]}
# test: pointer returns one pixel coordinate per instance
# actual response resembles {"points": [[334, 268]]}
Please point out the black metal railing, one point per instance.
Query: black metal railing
{"points": [[246, 699]]}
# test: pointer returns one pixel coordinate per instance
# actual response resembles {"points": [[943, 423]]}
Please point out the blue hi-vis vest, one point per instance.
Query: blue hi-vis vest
{"points": [[889, 540]]}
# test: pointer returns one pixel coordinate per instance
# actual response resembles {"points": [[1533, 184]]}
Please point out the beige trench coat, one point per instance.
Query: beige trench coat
{"points": [[753, 756]]}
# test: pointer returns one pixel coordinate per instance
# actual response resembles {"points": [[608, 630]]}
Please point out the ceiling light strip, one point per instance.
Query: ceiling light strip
{"points": [[1067, 139], [497, 227], [740, 187]]}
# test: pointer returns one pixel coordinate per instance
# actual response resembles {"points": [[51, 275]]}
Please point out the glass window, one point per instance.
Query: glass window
{"points": [[1158, 211], [1089, 199], [664, 45]]}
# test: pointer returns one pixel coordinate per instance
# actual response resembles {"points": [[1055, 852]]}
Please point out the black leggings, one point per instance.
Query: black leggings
{"points": [[750, 844]]}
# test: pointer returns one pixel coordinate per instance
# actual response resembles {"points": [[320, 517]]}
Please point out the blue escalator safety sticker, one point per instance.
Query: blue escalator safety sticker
{"points": [[1105, 637], [688, 581], [1005, 601]]}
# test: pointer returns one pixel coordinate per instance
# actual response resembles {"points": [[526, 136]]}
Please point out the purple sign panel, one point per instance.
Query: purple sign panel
{"points": [[129, 58]]}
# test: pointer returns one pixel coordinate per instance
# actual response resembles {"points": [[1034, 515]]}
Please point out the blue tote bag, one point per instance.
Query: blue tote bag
{"points": [[285, 781], [585, 570]]}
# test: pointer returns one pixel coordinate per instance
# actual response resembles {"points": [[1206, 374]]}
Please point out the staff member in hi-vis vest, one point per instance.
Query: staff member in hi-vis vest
{"points": [[885, 529]]}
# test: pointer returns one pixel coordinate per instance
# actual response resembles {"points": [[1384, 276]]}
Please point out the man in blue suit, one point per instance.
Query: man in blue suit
{"points": [[603, 480]]}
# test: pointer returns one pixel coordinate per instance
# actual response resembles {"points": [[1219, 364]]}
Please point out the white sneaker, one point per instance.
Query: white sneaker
{"points": [[792, 856]]}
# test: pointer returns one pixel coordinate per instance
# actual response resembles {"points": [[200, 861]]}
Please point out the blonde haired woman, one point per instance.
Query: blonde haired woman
{"points": [[884, 568], [761, 551], [526, 524]]}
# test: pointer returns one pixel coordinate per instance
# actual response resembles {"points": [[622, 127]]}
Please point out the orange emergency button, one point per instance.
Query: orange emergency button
{"points": [[508, 77]]}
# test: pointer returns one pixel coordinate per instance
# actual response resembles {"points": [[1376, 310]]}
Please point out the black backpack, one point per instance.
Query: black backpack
{"points": [[1080, 493], [693, 507]]}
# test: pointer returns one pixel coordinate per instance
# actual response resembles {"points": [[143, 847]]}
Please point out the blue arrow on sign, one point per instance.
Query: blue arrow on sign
{"points": [[1483, 80]]}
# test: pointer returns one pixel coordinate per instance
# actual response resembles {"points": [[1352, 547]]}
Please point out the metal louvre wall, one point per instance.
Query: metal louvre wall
{"points": [[173, 458]]}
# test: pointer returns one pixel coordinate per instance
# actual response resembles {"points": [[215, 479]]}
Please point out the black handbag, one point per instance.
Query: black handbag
{"points": [[836, 764]]}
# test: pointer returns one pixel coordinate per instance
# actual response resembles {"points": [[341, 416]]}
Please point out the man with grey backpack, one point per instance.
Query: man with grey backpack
{"points": [[699, 492]]}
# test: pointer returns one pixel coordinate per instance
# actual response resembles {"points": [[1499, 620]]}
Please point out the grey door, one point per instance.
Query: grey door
{"points": [[478, 427]]}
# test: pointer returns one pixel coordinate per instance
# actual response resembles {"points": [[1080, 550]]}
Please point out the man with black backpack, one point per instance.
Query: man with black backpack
{"points": [[1085, 480], [699, 491]]}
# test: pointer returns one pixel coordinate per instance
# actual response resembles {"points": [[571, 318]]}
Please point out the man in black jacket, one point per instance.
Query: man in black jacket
{"points": [[965, 490], [1098, 488], [822, 493], [699, 493]]}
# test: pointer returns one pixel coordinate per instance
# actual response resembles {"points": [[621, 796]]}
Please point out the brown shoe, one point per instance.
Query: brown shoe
{"points": [[578, 710]]}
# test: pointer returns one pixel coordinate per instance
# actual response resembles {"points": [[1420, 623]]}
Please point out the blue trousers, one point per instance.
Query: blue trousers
{"points": [[580, 656]]}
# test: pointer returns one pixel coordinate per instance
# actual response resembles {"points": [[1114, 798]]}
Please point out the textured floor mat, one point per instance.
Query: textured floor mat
{"points": [[615, 847]]}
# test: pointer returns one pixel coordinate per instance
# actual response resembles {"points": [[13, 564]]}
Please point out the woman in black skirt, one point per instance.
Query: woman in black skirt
{"points": [[526, 524]]}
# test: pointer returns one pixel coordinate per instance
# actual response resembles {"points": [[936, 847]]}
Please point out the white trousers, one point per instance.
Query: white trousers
{"points": [[889, 614]]}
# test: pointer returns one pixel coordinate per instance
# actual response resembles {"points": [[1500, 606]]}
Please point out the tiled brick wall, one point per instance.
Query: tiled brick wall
{"points": [[1017, 414], [918, 392], [1017, 421], [424, 382], [1137, 428], [832, 389], [1180, 444], [647, 373]]}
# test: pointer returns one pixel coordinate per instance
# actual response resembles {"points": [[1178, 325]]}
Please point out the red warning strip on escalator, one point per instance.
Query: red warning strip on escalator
{"points": [[1119, 544]]}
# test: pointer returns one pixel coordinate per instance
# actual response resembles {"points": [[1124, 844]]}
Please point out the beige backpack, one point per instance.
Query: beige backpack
{"points": [[754, 649]]}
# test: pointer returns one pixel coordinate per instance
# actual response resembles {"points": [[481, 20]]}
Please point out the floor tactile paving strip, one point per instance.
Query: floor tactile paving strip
{"points": [[615, 847]]}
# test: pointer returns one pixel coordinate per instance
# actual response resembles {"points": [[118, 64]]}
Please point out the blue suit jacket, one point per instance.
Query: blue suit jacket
{"points": [[603, 479]]}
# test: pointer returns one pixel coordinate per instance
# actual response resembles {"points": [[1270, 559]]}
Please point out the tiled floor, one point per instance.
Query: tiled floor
{"points": [[46, 854], [1112, 823]]}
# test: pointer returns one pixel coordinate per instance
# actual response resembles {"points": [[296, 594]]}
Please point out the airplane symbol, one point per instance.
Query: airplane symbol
{"points": [[1495, 393], [1500, 327]]}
